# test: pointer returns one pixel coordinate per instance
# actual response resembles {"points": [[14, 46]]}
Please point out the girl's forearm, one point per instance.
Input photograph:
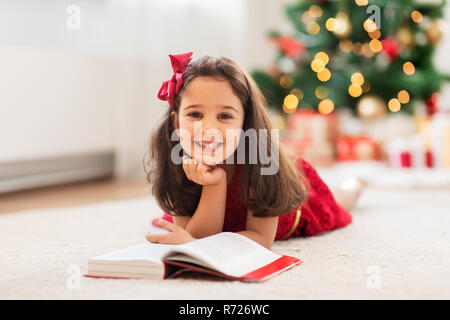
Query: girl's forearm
{"points": [[258, 237], [210, 214]]}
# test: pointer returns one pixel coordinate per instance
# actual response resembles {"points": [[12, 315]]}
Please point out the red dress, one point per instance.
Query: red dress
{"points": [[319, 213]]}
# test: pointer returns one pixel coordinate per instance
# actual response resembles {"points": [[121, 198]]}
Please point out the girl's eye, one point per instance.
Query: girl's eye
{"points": [[196, 115], [193, 113]]}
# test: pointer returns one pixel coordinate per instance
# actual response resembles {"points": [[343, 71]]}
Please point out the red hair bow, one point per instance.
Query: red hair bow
{"points": [[171, 87]]}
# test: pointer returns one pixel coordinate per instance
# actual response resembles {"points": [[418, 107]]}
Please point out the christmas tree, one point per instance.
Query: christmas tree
{"points": [[371, 56]]}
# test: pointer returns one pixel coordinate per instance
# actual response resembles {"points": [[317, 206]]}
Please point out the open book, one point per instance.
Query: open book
{"points": [[227, 254]]}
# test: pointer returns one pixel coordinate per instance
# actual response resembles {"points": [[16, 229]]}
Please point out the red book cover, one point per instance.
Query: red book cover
{"points": [[173, 269]]}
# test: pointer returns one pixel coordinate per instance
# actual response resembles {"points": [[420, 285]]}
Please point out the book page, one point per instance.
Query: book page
{"points": [[228, 252], [137, 255]]}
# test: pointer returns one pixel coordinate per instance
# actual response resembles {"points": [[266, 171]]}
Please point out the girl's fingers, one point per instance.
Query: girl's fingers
{"points": [[155, 238], [194, 169], [200, 169], [167, 225]]}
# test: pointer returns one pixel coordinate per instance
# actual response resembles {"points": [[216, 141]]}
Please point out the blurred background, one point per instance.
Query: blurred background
{"points": [[356, 87]]}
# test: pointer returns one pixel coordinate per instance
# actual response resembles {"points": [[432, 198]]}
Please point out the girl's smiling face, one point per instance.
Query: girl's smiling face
{"points": [[210, 119]]}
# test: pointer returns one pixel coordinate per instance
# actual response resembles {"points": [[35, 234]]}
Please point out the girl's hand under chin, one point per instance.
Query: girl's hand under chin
{"points": [[203, 174]]}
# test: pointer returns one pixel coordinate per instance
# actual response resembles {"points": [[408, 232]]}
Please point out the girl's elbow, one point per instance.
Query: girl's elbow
{"points": [[268, 244]]}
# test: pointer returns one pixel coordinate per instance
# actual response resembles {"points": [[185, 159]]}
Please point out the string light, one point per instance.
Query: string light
{"points": [[298, 93], [354, 90], [313, 28], [403, 96], [322, 56], [306, 17], [326, 106], [357, 48], [331, 24], [342, 25], [416, 16], [324, 75], [285, 81], [346, 45], [408, 68], [366, 87], [370, 25], [375, 45], [366, 51], [357, 79], [321, 92], [317, 65], [394, 105], [375, 34], [362, 2], [290, 102], [315, 11], [288, 110]]}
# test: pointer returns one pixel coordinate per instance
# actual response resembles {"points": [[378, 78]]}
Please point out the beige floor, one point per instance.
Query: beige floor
{"points": [[396, 248], [73, 194]]}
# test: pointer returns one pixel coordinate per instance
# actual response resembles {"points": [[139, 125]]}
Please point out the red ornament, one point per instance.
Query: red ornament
{"points": [[429, 163], [432, 103], [290, 46], [405, 159], [391, 47]]}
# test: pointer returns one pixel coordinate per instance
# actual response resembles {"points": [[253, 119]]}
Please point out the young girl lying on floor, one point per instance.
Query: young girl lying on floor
{"points": [[213, 104]]}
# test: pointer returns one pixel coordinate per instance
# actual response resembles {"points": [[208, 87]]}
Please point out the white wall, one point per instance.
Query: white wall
{"points": [[39, 106], [94, 88]]}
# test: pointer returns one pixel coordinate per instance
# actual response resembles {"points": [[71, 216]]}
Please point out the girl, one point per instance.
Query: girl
{"points": [[210, 191]]}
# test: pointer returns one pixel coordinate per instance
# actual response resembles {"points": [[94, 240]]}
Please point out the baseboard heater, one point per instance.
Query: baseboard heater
{"points": [[20, 175]]}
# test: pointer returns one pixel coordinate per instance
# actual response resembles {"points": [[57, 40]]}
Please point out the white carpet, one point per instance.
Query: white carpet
{"points": [[396, 248]]}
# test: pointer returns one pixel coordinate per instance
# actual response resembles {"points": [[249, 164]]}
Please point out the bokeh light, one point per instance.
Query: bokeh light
{"points": [[298, 93], [313, 28], [324, 75], [408, 68], [286, 81], [331, 24], [322, 56], [370, 25], [375, 34], [403, 96], [315, 11], [354, 90], [416, 16], [291, 101], [357, 48], [394, 105], [362, 2], [346, 45], [317, 65], [357, 79], [375, 45], [326, 106], [321, 92]]}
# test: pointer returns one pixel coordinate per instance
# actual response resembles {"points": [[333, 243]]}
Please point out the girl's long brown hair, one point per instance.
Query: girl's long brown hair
{"points": [[273, 195]]}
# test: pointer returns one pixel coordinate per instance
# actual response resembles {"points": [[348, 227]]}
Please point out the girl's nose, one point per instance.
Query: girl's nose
{"points": [[209, 124], [211, 131]]}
